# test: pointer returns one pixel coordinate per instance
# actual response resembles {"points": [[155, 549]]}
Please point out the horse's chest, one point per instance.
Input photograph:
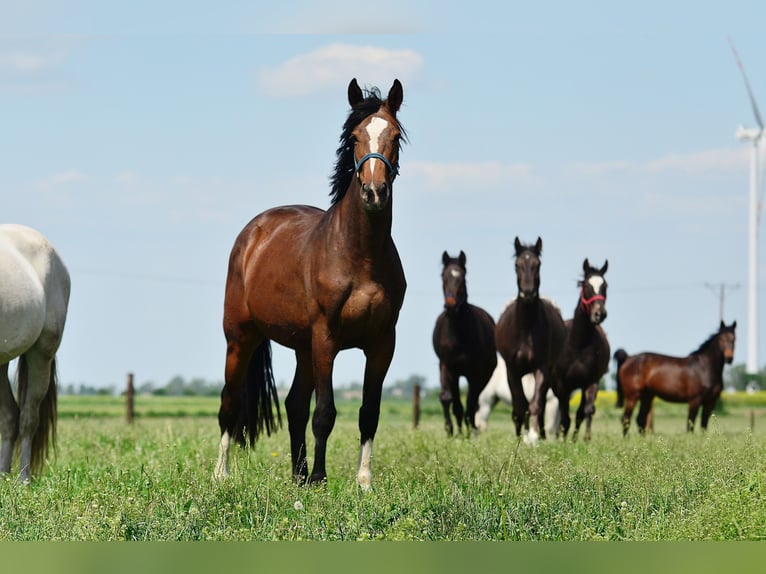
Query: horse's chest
{"points": [[365, 304]]}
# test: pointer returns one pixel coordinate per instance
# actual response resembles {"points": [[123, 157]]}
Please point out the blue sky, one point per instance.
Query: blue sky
{"points": [[141, 139]]}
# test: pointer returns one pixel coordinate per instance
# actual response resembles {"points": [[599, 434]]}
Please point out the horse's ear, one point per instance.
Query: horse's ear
{"points": [[517, 245], [734, 325], [585, 266], [462, 258], [539, 246], [723, 326], [604, 268], [445, 258], [355, 95], [395, 97]]}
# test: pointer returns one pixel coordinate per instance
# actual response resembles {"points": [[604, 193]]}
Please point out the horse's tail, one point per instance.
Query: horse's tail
{"points": [[619, 356], [45, 435], [259, 393]]}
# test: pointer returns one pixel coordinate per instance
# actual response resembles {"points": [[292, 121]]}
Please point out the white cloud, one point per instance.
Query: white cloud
{"points": [[701, 162], [332, 66], [23, 61], [63, 178], [433, 176], [696, 163]]}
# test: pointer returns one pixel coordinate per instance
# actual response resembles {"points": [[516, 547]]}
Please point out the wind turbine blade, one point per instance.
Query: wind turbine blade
{"points": [[747, 85]]}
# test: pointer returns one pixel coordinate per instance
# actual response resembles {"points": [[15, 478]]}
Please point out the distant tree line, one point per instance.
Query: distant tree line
{"points": [[179, 386], [176, 387]]}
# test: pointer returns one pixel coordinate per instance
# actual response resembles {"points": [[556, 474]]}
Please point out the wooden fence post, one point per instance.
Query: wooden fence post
{"points": [[129, 402], [415, 406]]}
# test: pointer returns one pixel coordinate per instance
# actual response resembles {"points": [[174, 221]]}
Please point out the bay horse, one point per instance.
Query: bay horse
{"points": [[529, 335], [696, 379], [464, 341], [318, 282], [497, 390], [584, 358], [34, 296]]}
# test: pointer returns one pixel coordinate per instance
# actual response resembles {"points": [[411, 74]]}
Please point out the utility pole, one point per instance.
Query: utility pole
{"points": [[720, 289]]}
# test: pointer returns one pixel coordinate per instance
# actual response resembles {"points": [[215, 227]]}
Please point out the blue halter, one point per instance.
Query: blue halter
{"points": [[393, 169]]}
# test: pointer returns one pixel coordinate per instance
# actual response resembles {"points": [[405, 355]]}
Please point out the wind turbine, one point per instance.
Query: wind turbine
{"points": [[756, 137]]}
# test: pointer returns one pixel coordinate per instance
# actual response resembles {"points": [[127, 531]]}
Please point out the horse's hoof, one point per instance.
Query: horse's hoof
{"points": [[318, 479]]}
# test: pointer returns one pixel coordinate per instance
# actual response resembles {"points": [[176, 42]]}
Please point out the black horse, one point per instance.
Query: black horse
{"points": [[464, 341], [619, 358], [585, 356], [529, 336]]}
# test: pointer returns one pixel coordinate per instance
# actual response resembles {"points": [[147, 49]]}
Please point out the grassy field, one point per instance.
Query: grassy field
{"points": [[152, 480]]}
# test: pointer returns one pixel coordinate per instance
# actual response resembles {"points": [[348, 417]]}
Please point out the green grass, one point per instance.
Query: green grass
{"points": [[152, 481]]}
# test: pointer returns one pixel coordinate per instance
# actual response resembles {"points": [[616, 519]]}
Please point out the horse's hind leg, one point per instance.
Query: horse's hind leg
{"points": [[240, 345], [643, 411], [630, 403], [9, 421], [33, 388], [297, 405]]}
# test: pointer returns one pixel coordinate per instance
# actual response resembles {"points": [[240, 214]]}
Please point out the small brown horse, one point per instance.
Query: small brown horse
{"points": [[529, 336], [318, 282], [464, 341], [585, 356], [696, 379]]}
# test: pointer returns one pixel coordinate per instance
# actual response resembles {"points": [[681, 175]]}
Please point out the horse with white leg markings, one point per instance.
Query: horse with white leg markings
{"points": [[34, 296], [497, 390], [529, 336]]}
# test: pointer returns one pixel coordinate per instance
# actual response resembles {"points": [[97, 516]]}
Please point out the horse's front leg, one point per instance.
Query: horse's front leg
{"points": [[297, 405], [537, 409], [586, 410], [694, 406], [323, 353], [378, 360], [519, 402], [448, 382]]}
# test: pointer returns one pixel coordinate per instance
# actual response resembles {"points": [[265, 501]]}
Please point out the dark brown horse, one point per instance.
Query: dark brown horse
{"points": [[318, 282], [585, 356], [529, 336], [464, 341], [696, 379]]}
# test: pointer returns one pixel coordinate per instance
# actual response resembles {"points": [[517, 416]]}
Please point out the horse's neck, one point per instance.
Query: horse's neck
{"points": [[714, 358], [364, 236], [529, 311], [581, 328]]}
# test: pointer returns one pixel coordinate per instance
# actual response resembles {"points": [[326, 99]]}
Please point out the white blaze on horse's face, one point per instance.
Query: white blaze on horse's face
{"points": [[596, 283], [455, 273], [375, 129]]}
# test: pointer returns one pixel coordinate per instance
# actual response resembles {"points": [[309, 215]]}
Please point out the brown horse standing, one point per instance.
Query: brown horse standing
{"points": [[529, 336], [696, 379], [464, 341], [318, 282], [585, 356]]}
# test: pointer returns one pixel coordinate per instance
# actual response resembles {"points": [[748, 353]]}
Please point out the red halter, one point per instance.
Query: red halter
{"points": [[588, 302]]}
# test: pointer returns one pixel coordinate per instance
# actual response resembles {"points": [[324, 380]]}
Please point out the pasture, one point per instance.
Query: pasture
{"points": [[152, 480]]}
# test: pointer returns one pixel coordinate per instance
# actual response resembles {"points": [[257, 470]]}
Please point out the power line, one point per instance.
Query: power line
{"points": [[720, 289]]}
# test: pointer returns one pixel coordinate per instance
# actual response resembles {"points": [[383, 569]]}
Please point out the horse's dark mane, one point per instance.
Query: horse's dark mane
{"points": [[703, 347], [344, 163]]}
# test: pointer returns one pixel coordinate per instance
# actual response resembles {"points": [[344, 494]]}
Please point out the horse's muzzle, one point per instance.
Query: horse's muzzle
{"points": [[375, 198]]}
